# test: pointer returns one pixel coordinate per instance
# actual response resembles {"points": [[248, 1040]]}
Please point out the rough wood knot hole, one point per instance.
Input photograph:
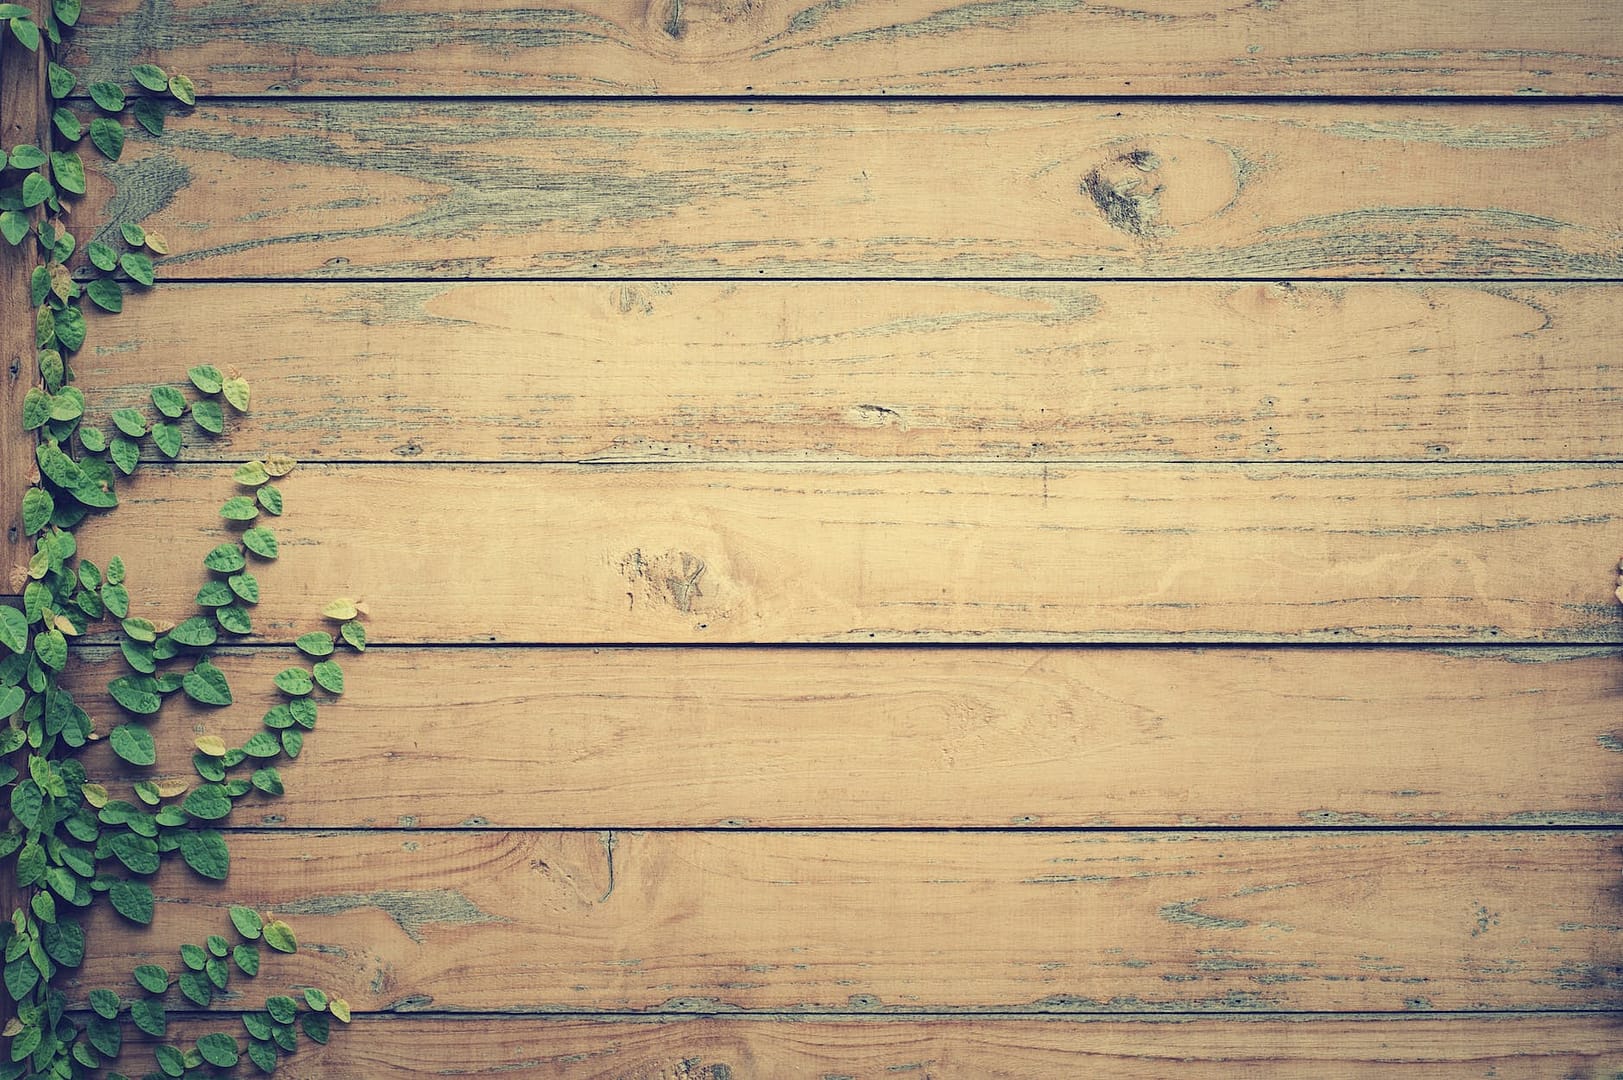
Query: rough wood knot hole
{"points": [[1126, 192], [671, 577]]}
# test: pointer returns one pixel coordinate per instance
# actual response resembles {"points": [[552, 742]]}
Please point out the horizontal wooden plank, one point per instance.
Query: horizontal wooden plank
{"points": [[867, 553], [1030, 371], [1087, 922], [395, 189], [1505, 1046], [917, 46], [918, 737]]}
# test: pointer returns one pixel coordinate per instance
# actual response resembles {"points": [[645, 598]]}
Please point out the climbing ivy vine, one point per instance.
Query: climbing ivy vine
{"points": [[70, 840]]}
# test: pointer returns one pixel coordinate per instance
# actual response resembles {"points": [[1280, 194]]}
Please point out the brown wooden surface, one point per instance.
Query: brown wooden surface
{"points": [[24, 119], [828, 370], [859, 553], [882, 190], [1041, 922], [591, 738], [1503, 1046], [415, 47]]}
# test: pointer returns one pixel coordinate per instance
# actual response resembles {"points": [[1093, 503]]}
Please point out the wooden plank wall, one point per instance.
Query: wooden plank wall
{"points": [[913, 538]]}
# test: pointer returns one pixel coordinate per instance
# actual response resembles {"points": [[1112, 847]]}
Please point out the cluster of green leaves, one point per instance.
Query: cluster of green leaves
{"points": [[45, 176], [69, 839], [204, 972]]}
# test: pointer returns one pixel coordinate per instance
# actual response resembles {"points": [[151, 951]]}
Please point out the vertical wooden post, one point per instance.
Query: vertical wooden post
{"points": [[24, 118]]}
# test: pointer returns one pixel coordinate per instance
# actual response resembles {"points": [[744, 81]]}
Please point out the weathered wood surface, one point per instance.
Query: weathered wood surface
{"points": [[1085, 922], [860, 553], [1031, 737], [24, 119], [820, 370], [415, 47], [394, 189], [1504, 1046]]}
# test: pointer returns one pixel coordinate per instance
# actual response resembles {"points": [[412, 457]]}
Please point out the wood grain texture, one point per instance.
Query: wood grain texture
{"points": [[1504, 1046], [873, 553], [24, 120], [390, 189], [909, 921], [894, 370], [415, 47], [1033, 737]]}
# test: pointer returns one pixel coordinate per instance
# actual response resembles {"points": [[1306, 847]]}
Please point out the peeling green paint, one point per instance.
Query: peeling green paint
{"points": [[411, 909]]}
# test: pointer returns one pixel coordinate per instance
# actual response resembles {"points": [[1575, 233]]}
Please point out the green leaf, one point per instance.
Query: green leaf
{"points": [[206, 685], [270, 497], [27, 33], [207, 378], [16, 11], [70, 328], [108, 95], [208, 416], [355, 634], [151, 76], [149, 114], [117, 599], [130, 422], [263, 1055], [65, 943], [69, 170], [36, 189], [126, 453], [236, 392], [36, 408], [208, 768], [115, 571], [247, 921], [11, 699], [183, 90], [261, 541], [279, 936], [218, 1049], [62, 81], [140, 629], [193, 956], [315, 643], [226, 558], [293, 680], [149, 1016], [68, 405], [67, 123], [262, 744], [27, 156], [204, 849], [170, 402], [108, 137], [247, 958], [239, 509], [170, 1059], [51, 649], [133, 743], [106, 1035], [13, 226], [138, 267], [281, 1007], [196, 988], [251, 474], [106, 294], [138, 694], [134, 235], [316, 999], [101, 256], [246, 586], [234, 618], [197, 632], [269, 780], [207, 802], [218, 945], [214, 594], [167, 438], [67, 11], [13, 629], [106, 1004], [153, 979], [37, 509], [138, 853], [133, 900]]}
